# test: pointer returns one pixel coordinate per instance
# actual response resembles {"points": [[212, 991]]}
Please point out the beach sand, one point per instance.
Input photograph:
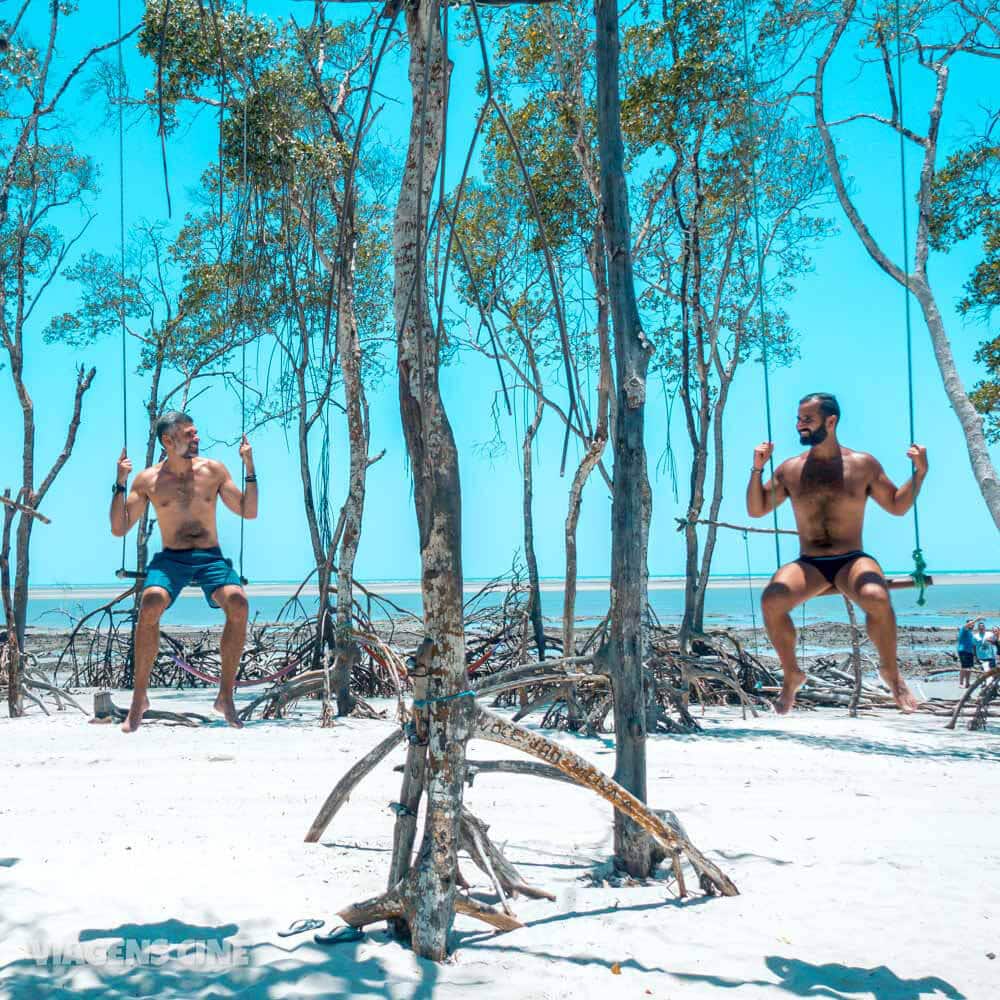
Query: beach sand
{"points": [[865, 851]]}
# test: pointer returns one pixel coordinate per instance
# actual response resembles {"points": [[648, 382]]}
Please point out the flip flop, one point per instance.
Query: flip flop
{"points": [[299, 926], [340, 935]]}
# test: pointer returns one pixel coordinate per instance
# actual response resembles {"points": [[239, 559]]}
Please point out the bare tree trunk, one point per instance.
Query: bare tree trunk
{"points": [[22, 542], [34, 497], [631, 506], [587, 465], [718, 478], [535, 594], [349, 348], [433, 457], [15, 708], [595, 449], [971, 422], [694, 582]]}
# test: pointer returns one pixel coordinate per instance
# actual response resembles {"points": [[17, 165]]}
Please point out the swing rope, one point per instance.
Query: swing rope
{"points": [[753, 609], [919, 563], [243, 339], [759, 254], [121, 259]]}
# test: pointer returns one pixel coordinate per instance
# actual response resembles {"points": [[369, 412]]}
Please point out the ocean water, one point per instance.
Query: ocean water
{"points": [[947, 605]]}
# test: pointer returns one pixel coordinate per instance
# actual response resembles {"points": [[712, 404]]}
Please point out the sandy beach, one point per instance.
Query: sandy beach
{"points": [[861, 848]]}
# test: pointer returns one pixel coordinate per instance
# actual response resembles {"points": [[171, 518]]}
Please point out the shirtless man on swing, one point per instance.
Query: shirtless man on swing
{"points": [[183, 490], [829, 486]]}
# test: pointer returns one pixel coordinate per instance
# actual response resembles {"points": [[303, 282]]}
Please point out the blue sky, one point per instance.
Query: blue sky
{"points": [[849, 315]]}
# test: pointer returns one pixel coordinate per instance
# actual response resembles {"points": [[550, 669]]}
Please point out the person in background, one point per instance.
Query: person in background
{"points": [[986, 646], [966, 652]]}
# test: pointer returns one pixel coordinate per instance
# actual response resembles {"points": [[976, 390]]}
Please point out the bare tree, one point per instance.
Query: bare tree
{"points": [[42, 178], [934, 35], [624, 650]]}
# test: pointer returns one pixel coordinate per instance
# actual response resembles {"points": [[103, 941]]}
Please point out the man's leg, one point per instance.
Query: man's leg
{"points": [[233, 600], [154, 601], [794, 583], [864, 583]]}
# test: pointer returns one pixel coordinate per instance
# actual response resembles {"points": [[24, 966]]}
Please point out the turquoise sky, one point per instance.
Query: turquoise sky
{"points": [[849, 315]]}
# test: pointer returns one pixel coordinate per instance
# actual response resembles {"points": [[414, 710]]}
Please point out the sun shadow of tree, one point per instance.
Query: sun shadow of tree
{"points": [[841, 982]]}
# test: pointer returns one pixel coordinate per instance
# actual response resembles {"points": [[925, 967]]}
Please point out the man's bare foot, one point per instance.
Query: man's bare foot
{"points": [[226, 708], [903, 696], [134, 718], [793, 680]]}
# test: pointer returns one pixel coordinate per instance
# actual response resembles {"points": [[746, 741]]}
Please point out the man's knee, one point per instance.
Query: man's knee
{"points": [[874, 598], [776, 599], [236, 606], [152, 604]]}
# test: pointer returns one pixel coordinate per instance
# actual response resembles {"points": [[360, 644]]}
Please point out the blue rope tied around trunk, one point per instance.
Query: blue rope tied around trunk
{"points": [[424, 702]]}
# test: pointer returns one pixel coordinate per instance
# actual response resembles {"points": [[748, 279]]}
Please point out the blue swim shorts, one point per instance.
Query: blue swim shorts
{"points": [[175, 569]]}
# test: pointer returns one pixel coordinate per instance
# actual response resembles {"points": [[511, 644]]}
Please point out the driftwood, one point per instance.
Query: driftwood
{"points": [[490, 859], [987, 695], [24, 509], [492, 727], [105, 710], [397, 905], [342, 790]]}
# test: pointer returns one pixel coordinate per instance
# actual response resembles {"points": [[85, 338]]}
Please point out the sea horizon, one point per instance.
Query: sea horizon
{"points": [[675, 581], [731, 601]]}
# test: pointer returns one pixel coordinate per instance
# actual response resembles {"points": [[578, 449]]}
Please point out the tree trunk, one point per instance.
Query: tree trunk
{"points": [[718, 480], [22, 543], [349, 348], [971, 421], [587, 465], [694, 582], [535, 594], [15, 707], [631, 506], [595, 450], [437, 496]]}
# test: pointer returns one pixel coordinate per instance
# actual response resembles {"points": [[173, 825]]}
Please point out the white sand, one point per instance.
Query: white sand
{"points": [[867, 853]]}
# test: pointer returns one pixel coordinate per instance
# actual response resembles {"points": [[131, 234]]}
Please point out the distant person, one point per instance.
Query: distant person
{"points": [[184, 490], [829, 486], [966, 652], [986, 646]]}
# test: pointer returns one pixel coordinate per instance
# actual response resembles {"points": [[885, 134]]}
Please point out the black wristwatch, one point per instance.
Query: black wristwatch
{"points": [[118, 488]]}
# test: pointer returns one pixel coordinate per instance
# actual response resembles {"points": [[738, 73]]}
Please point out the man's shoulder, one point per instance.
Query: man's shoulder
{"points": [[146, 476], [211, 465], [860, 457], [791, 464], [862, 461]]}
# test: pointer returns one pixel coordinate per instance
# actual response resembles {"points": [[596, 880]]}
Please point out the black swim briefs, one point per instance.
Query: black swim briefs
{"points": [[830, 566]]}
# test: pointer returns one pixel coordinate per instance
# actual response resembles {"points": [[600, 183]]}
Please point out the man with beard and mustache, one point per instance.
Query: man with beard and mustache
{"points": [[829, 486], [183, 490]]}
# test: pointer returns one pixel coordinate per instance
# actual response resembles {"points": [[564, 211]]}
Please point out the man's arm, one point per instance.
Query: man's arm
{"points": [[127, 505], [898, 500], [242, 504], [763, 497]]}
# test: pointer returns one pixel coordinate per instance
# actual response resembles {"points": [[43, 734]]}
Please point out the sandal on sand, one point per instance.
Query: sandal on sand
{"points": [[340, 935], [308, 924]]}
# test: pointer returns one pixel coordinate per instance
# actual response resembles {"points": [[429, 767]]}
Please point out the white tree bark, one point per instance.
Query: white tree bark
{"points": [[916, 281]]}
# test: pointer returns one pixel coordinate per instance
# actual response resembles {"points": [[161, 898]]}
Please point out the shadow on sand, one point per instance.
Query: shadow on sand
{"points": [[854, 744], [842, 982], [261, 970]]}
